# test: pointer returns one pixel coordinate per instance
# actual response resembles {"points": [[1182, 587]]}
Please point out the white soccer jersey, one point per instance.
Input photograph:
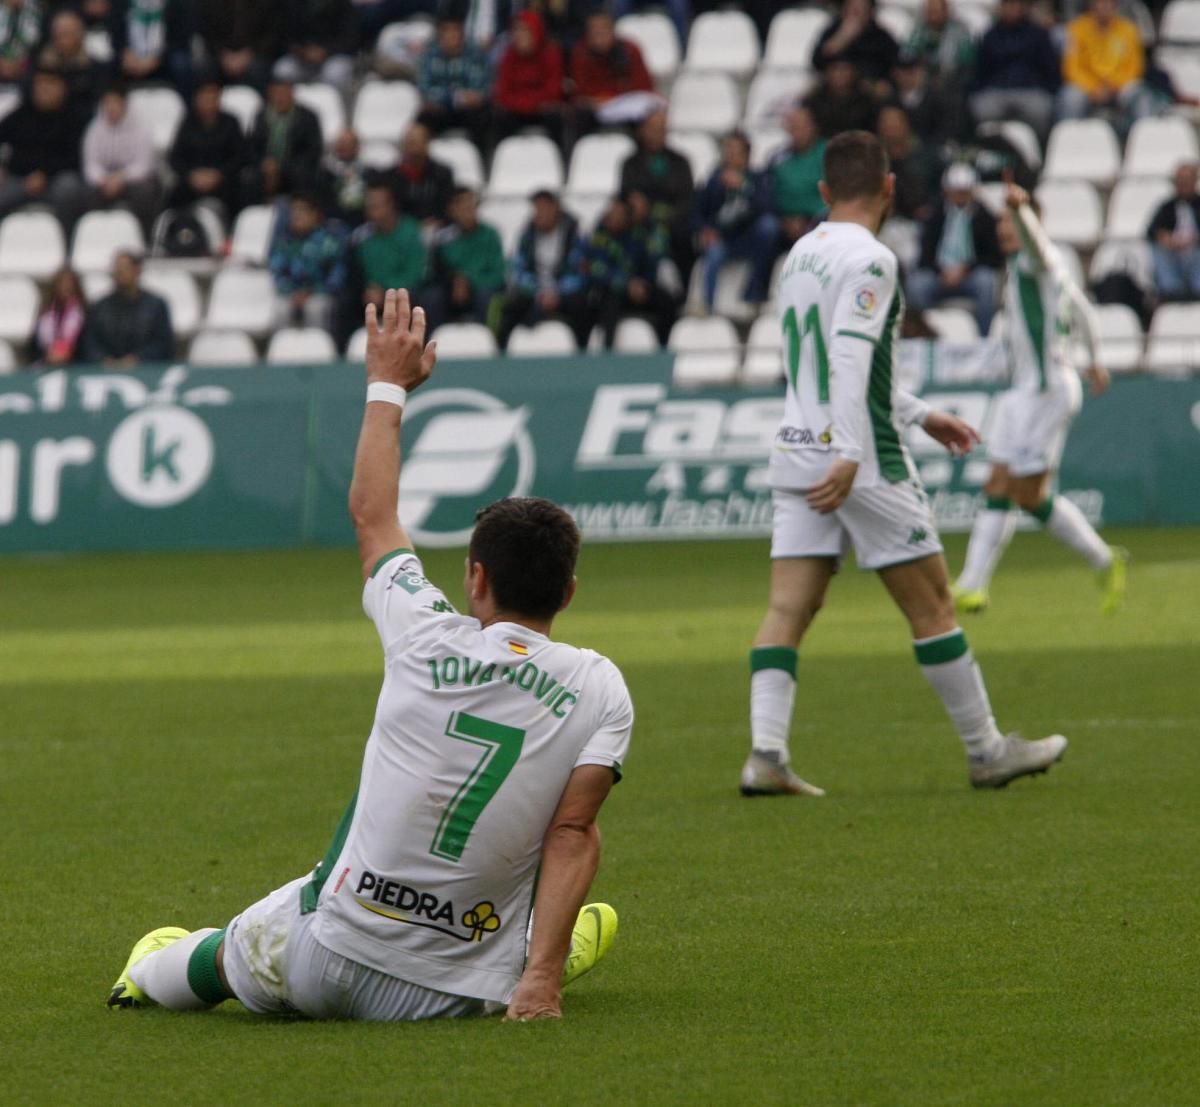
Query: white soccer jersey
{"points": [[430, 877], [839, 285]]}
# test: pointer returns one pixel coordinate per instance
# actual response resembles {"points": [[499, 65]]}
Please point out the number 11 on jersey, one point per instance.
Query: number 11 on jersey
{"points": [[795, 333]]}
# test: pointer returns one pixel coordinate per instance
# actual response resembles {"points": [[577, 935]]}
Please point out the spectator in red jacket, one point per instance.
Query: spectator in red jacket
{"points": [[529, 81], [604, 67]]}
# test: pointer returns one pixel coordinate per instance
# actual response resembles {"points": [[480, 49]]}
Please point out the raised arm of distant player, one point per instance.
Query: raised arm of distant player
{"points": [[396, 356], [1047, 258]]}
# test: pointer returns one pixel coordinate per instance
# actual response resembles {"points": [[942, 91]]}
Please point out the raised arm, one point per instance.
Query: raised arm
{"points": [[397, 362]]}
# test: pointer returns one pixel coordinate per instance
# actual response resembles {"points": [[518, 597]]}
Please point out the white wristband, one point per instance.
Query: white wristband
{"points": [[387, 393]]}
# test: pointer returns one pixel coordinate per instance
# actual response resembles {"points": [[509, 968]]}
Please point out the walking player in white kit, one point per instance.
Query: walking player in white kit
{"points": [[841, 476], [1041, 302], [492, 750]]}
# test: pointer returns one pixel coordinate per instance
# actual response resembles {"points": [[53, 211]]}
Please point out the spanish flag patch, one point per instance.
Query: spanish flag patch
{"points": [[519, 647]]}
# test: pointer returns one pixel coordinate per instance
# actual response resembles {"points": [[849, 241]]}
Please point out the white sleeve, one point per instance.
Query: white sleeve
{"points": [[609, 745], [911, 409], [93, 171], [860, 318], [397, 596]]}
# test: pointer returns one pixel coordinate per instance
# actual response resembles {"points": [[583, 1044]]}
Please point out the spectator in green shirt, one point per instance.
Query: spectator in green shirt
{"points": [[467, 268], [793, 175], [387, 251]]}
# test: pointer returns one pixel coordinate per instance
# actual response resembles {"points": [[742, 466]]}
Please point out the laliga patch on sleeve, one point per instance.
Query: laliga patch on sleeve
{"points": [[866, 303]]}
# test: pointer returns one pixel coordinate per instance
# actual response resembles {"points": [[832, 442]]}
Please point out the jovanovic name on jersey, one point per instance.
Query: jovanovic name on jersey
{"points": [[469, 672]]}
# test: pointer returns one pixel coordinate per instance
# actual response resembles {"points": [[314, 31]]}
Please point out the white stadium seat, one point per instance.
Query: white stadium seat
{"points": [[10, 97], [243, 103], [1120, 338], [655, 36], [1083, 150], [1132, 205], [1123, 255], [461, 156], [384, 109], [160, 111], [793, 35], [1183, 67], [763, 363], [326, 102], [725, 41], [706, 351], [1157, 145], [896, 20], [378, 154], [551, 338], [252, 234], [772, 93], [700, 149], [953, 324], [1174, 345], [221, 349], [765, 144], [508, 214], [596, 164], [635, 336], [178, 287], [524, 163], [977, 17], [705, 102], [587, 207], [1070, 212], [19, 302], [8, 359], [100, 234], [1021, 135], [301, 346], [463, 340], [96, 286], [31, 242], [242, 300], [1181, 22], [356, 348]]}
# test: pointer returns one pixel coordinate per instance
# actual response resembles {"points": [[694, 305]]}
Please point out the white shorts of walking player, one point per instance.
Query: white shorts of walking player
{"points": [[275, 966], [887, 524], [1030, 428]]}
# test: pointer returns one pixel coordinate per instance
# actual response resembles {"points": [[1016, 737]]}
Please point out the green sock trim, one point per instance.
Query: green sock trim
{"points": [[774, 657], [938, 651], [1042, 512], [998, 503], [202, 974]]}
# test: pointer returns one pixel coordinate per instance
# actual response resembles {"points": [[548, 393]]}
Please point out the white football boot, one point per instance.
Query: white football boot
{"points": [[768, 774], [1016, 757]]}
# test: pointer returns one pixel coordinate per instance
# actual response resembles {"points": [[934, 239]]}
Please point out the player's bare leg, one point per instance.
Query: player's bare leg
{"points": [[991, 533], [798, 586], [921, 589]]}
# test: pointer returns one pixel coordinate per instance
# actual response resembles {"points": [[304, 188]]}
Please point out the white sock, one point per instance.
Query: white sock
{"points": [[772, 695], [164, 977], [1070, 526], [990, 535], [948, 664]]}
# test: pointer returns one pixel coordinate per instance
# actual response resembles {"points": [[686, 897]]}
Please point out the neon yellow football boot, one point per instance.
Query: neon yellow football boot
{"points": [[970, 601], [125, 993], [593, 936], [1112, 581]]}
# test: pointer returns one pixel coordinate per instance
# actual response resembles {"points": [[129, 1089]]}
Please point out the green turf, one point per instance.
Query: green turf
{"points": [[181, 732]]}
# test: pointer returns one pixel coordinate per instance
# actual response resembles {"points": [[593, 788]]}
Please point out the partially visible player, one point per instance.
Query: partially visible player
{"points": [[1041, 302], [492, 750], [841, 475]]}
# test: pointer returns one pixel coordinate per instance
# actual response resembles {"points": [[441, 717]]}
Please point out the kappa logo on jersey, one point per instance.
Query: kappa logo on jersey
{"points": [[468, 448], [865, 302], [404, 904], [875, 270]]}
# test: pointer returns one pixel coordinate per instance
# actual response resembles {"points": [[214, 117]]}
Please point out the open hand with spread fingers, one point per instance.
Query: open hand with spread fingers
{"points": [[396, 349]]}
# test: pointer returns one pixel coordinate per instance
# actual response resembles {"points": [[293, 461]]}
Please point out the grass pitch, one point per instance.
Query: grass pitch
{"points": [[181, 732]]}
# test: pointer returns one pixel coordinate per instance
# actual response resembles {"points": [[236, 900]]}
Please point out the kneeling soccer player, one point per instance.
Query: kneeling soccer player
{"points": [[840, 474], [492, 750]]}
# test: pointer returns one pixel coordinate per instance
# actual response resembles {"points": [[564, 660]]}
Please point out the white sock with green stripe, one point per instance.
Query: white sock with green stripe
{"points": [[772, 695], [1069, 525], [990, 535], [948, 664], [183, 976]]}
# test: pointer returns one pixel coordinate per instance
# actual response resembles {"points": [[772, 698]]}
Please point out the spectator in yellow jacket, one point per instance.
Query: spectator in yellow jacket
{"points": [[1103, 66]]}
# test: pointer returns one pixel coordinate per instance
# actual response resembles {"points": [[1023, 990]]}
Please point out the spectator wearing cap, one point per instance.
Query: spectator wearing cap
{"points": [[242, 38], [1017, 71], [1174, 234], [119, 165], [308, 263], [66, 52], [734, 221], [604, 67], [152, 41], [44, 134], [286, 142], [209, 153], [467, 264], [915, 166], [544, 280], [1103, 67], [322, 36], [665, 177], [129, 326], [20, 34], [842, 100], [959, 252], [856, 38], [424, 185], [386, 251], [454, 81], [529, 80]]}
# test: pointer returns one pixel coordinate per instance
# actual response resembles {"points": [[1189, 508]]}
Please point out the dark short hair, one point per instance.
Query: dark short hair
{"points": [[528, 547], [737, 136], [459, 192], [855, 165], [310, 197]]}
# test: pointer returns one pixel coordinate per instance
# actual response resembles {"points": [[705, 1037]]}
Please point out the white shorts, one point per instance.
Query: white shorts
{"points": [[1030, 428], [275, 966], [887, 524]]}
